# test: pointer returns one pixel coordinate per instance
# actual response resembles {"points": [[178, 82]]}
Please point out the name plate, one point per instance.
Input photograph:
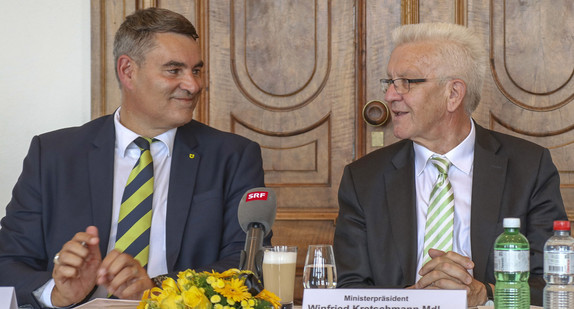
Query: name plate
{"points": [[8, 298], [383, 299]]}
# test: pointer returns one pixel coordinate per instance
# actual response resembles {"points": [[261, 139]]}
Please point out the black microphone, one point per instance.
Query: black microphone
{"points": [[256, 216]]}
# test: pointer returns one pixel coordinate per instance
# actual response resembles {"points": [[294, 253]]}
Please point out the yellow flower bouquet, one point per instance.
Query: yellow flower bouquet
{"points": [[232, 289]]}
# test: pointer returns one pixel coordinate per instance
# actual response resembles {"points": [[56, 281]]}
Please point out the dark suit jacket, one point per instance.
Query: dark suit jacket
{"points": [[376, 236], [66, 185]]}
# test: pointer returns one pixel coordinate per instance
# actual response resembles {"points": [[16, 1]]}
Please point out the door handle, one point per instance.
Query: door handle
{"points": [[376, 113]]}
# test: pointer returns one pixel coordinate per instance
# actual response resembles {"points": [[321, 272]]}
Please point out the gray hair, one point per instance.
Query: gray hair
{"points": [[458, 50], [135, 37]]}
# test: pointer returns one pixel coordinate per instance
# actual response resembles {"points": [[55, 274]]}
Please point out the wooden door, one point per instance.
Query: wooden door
{"points": [[295, 76], [292, 89]]}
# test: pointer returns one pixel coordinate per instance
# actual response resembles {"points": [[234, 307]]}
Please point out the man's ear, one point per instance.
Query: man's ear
{"points": [[456, 94], [126, 68]]}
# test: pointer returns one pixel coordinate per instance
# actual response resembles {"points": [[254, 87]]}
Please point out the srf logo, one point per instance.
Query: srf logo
{"points": [[254, 196]]}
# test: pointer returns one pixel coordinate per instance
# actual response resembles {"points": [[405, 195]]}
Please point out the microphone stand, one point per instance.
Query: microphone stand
{"points": [[252, 257]]}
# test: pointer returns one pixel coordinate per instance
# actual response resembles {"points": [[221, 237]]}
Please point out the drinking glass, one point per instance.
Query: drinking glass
{"points": [[320, 271], [279, 272]]}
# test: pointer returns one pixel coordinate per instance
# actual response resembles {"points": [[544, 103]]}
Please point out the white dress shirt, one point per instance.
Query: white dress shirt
{"points": [[460, 177], [126, 154]]}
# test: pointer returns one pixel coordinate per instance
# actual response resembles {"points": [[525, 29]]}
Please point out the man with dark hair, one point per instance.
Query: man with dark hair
{"points": [[127, 198]]}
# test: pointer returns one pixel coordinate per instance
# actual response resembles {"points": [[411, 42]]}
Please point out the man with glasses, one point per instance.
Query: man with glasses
{"points": [[424, 212]]}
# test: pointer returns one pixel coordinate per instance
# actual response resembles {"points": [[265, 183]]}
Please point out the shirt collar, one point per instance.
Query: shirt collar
{"points": [[125, 136], [461, 156]]}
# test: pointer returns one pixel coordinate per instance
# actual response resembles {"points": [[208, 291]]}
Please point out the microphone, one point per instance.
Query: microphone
{"points": [[256, 215]]}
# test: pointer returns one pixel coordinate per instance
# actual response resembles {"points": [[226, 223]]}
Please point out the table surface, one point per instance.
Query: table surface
{"points": [[132, 304]]}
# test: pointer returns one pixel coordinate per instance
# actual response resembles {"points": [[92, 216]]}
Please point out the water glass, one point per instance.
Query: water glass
{"points": [[320, 271]]}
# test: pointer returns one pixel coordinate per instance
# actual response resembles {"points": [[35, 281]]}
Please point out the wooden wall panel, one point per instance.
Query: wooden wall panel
{"points": [[295, 232], [532, 66], [289, 89], [107, 17], [381, 17], [283, 74]]}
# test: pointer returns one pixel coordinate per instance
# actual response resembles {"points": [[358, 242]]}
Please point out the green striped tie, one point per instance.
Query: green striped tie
{"points": [[134, 223], [440, 215]]}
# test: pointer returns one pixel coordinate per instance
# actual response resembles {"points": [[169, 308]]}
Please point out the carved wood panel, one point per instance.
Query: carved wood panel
{"points": [[532, 66], [290, 86]]}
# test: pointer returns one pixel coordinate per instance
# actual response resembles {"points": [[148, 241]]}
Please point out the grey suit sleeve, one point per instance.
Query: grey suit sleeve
{"points": [[350, 241]]}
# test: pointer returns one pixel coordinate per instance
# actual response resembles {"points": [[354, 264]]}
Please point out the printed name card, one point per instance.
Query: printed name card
{"points": [[383, 299], [8, 298]]}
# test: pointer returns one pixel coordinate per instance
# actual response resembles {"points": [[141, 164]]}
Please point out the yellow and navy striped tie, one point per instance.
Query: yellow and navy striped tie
{"points": [[134, 223]]}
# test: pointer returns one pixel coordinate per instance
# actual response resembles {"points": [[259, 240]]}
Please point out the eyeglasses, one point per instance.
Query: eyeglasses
{"points": [[402, 85]]}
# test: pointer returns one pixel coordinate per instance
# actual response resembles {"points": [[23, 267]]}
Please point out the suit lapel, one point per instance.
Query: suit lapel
{"points": [[489, 177], [101, 175], [400, 192], [183, 174]]}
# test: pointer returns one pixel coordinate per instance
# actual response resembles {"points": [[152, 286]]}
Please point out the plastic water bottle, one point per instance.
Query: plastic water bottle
{"points": [[559, 268], [511, 267]]}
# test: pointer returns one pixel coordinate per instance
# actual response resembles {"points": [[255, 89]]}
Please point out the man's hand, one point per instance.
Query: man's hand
{"points": [[123, 276], [450, 271], [75, 268]]}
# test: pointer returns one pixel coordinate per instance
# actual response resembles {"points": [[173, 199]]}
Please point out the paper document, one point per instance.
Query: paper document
{"points": [[110, 303], [8, 298]]}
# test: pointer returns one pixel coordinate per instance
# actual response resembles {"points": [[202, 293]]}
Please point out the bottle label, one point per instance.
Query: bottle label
{"points": [[559, 263], [511, 260]]}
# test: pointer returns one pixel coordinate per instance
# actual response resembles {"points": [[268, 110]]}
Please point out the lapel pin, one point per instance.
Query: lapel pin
{"points": [[191, 155]]}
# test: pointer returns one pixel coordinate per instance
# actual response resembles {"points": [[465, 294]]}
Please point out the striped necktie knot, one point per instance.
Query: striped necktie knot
{"points": [[442, 165], [144, 142]]}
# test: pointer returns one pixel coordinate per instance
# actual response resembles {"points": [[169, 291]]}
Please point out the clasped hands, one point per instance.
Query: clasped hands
{"points": [[78, 267], [449, 271]]}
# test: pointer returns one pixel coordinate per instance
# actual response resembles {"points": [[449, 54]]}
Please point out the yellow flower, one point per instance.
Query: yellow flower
{"points": [[186, 274], [184, 282], [234, 289], [269, 297], [228, 273], [171, 301], [207, 290], [248, 304], [218, 284], [215, 299], [245, 305], [211, 279], [170, 285], [143, 305], [194, 298]]}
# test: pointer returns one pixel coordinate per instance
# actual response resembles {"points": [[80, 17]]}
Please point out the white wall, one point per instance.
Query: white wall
{"points": [[44, 76]]}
